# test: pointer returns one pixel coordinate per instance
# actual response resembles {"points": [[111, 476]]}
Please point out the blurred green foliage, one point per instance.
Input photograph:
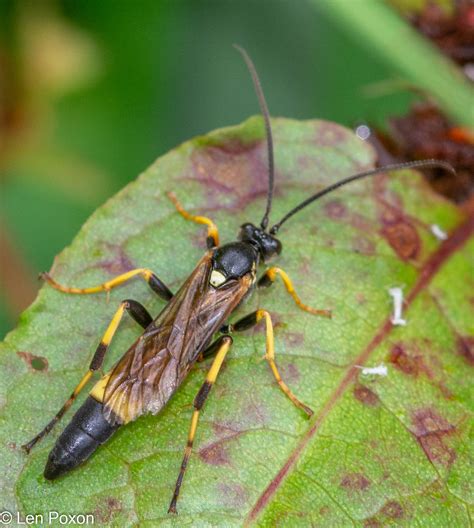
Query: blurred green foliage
{"points": [[95, 91]]}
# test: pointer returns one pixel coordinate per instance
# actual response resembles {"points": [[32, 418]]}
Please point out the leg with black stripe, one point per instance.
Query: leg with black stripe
{"points": [[212, 232], [251, 320], [268, 278], [140, 314], [223, 345], [211, 350], [153, 281]]}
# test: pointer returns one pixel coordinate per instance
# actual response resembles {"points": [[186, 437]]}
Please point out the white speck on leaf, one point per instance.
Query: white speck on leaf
{"points": [[438, 232], [397, 295], [379, 370]]}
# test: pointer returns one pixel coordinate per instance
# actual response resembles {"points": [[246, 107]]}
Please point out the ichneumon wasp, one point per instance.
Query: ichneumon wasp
{"points": [[146, 376]]}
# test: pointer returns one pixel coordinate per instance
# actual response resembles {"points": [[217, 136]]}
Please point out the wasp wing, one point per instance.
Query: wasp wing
{"points": [[151, 370]]}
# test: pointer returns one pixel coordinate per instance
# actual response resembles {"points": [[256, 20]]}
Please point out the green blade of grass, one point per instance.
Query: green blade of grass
{"points": [[386, 33]]}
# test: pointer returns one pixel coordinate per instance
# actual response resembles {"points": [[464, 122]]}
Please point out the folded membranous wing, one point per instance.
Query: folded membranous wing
{"points": [[147, 375]]}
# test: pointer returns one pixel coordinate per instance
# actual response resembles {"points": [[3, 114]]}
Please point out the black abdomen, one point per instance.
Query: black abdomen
{"points": [[87, 430]]}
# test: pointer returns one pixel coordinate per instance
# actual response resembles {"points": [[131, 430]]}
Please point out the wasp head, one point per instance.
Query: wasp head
{"points": [[266, 244]]}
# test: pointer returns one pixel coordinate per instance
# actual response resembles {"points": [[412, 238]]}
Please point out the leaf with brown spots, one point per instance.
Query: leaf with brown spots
{"points": [[380, 450]]}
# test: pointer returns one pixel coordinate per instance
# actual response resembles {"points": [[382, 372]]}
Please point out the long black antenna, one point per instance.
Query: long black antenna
{"points": [[398, 166], [268, 129]]}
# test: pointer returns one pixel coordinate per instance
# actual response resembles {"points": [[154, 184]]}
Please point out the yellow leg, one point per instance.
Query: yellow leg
{"points": [[270, 276], [270, 357], [139, 313], [153, 281], [212, 232], [251, 320], [224, 344]]}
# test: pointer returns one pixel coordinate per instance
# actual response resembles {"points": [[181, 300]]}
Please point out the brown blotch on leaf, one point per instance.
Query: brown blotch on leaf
{"points": [[107, 509], [215, 454], [393, 510], [403, 238], [360, 298], [38, 363], [466, 348], [365, 395], [233, 495], [430, 429], [290, 373], [412, 361], [324, 510], [117, 261], [335, 209], [294, 339], [405, 362], [355, 481], [363, 245], [371, 522], [330, 135], [218, 167]]}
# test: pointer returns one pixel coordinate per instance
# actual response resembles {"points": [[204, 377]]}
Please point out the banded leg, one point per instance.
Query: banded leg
{"points": [[223, 345], [253, 319], [153, 281], [212, 232], [141, 316], [211, 350], [269, 277]]}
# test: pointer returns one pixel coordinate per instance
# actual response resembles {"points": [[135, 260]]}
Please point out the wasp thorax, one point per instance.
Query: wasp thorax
{"points": [[232, 261], [266, 244]]}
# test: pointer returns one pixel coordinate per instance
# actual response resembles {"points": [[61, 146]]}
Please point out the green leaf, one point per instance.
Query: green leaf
{"points": [[380, 450]]}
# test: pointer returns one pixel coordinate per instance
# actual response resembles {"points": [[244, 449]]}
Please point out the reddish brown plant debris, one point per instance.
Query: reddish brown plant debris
{"points": [[403, 238], [452, 33], [466, 348], [430, 430], [393, 510], [34, 362], [426, 133], [355, 481], [365, 395]]}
